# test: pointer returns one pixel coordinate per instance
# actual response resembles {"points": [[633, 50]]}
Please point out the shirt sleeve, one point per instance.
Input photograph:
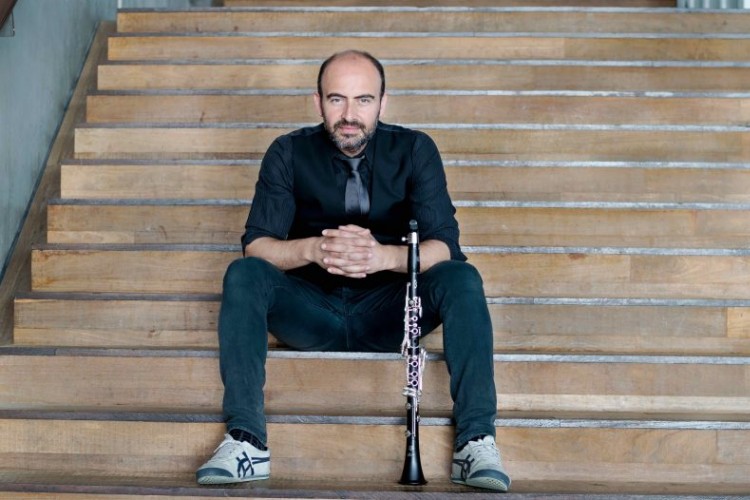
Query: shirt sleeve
{"points": [[273, 207], [430, 202]]}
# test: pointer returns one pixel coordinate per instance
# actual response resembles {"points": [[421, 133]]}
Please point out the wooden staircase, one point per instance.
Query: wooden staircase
{"points": [[598, 158]]}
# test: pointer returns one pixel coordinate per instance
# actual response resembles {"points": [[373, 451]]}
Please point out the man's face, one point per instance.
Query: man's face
{"points": [[351, 104]]}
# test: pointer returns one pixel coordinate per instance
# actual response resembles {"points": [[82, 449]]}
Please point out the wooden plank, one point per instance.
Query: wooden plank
{"points": [[165, 47], [466, 3], [502, 226], [144, 181], [512, 143], [538, 459], [519, 182], [598, 387], [415, 108], [466, 19], [433, 75], [586, 183], [565, 328], [131, 269]]}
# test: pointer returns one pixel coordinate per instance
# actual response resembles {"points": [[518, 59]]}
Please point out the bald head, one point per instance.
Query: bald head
{"points": [[352, 55]]}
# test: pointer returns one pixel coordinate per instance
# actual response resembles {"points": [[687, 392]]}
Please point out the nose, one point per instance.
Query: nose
{"points": [[347, 113]]}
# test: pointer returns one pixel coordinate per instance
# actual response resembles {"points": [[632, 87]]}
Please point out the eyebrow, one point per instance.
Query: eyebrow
{"points": [[334, 94]]}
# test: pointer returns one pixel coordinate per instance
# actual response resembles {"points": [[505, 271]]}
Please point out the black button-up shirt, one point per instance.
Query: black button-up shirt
{"points": [[301, 189]]}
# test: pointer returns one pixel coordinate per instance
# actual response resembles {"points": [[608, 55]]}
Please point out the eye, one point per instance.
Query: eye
{"points": [[365, 100], [335, 100]]}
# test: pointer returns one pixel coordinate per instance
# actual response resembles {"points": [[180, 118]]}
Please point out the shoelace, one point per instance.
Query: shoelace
{"points": [[227, 440], [486, 450]]}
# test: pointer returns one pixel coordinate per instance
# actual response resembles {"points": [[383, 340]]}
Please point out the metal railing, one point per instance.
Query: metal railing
{"points": [[714, 4], [6, 12]]}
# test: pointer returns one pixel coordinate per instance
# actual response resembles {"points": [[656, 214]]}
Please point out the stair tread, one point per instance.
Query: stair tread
{"points": [[435, 74], [437, 488], [431, 18], [720, 47], [648, 460], [647, 224], [529, 385], [657, 109]]}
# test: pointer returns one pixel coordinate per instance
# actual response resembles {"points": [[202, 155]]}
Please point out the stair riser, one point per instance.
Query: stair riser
{"points": [[622, 459], [506, 144], [578, 183], [518, 327], [479, 226], [424, 109], [327, 386], [165, 47], [435, 76], [425, 21], [521, 274]]}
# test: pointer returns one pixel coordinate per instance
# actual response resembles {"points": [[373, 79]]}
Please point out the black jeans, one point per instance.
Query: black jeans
{"points": [[259, 298]]}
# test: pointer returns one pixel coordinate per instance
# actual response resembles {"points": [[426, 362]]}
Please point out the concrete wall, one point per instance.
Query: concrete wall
{"points": [[39, 66]]}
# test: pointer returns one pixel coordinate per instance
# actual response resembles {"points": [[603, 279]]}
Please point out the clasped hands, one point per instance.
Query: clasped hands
{"points": [[352, 251]]}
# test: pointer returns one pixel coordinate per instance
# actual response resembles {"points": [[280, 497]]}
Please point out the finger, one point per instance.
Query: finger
{"points": [[341, 233], [346, 246], [341, 272], [353, 228]]}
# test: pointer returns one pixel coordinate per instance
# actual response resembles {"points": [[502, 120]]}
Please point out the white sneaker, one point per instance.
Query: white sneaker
{"points": [[234, 462], [479, 464]]}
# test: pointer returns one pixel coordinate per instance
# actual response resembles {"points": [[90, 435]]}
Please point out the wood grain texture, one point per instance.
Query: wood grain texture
{"points": [[362, 387], [633, 460], [500, 143], [517, 182], [593, 275], [584, 109], [435, 75], [186, 322], [207, 47], [500, 226], [478, 20]]}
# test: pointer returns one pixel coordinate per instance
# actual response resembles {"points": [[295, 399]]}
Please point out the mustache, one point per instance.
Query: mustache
{"points": [[347, 123]]}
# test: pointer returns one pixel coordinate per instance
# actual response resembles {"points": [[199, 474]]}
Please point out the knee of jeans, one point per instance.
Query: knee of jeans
{"points": [[457, 275], [247, 271]]}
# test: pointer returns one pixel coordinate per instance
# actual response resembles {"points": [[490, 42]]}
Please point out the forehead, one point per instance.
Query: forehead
{"points": [[351, 73]]}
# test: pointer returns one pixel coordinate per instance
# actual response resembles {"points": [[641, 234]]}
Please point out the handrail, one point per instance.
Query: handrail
{"points": [[6, 7]]}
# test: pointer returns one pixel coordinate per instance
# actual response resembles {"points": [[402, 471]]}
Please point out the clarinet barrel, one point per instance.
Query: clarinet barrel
{"points": [[415, 356]]}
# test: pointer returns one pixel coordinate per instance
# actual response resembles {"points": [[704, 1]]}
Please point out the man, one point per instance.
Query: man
{"points": [[324, 269]]}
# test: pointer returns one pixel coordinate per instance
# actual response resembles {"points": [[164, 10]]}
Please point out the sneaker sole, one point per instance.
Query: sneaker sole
{"points": [[212, 479], [487, 483]]}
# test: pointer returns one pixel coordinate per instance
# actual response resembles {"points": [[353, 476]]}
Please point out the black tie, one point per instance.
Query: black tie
{"points": [[356, 200]]}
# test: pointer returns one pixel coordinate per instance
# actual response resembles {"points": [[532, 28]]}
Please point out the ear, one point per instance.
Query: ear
{"points": [[318, 103], [383, 103]]}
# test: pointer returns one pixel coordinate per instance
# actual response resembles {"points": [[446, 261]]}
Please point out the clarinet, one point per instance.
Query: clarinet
{"points": [[415, 356]]}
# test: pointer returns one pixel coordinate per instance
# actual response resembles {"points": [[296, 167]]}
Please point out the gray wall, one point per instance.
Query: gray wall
{"points": [[39, 67]]}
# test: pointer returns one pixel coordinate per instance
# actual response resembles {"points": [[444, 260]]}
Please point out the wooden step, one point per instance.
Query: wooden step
{"points": [[507, 271], [434, 74], [491, 141], [482, 223], [528, 385], [432, 19], [519, 181], [453, 3], [432, 107], [698, 47], [557, 456], [555, 325]]}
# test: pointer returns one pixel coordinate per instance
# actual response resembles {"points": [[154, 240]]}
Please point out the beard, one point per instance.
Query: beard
{"points": [[350, 143]]}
